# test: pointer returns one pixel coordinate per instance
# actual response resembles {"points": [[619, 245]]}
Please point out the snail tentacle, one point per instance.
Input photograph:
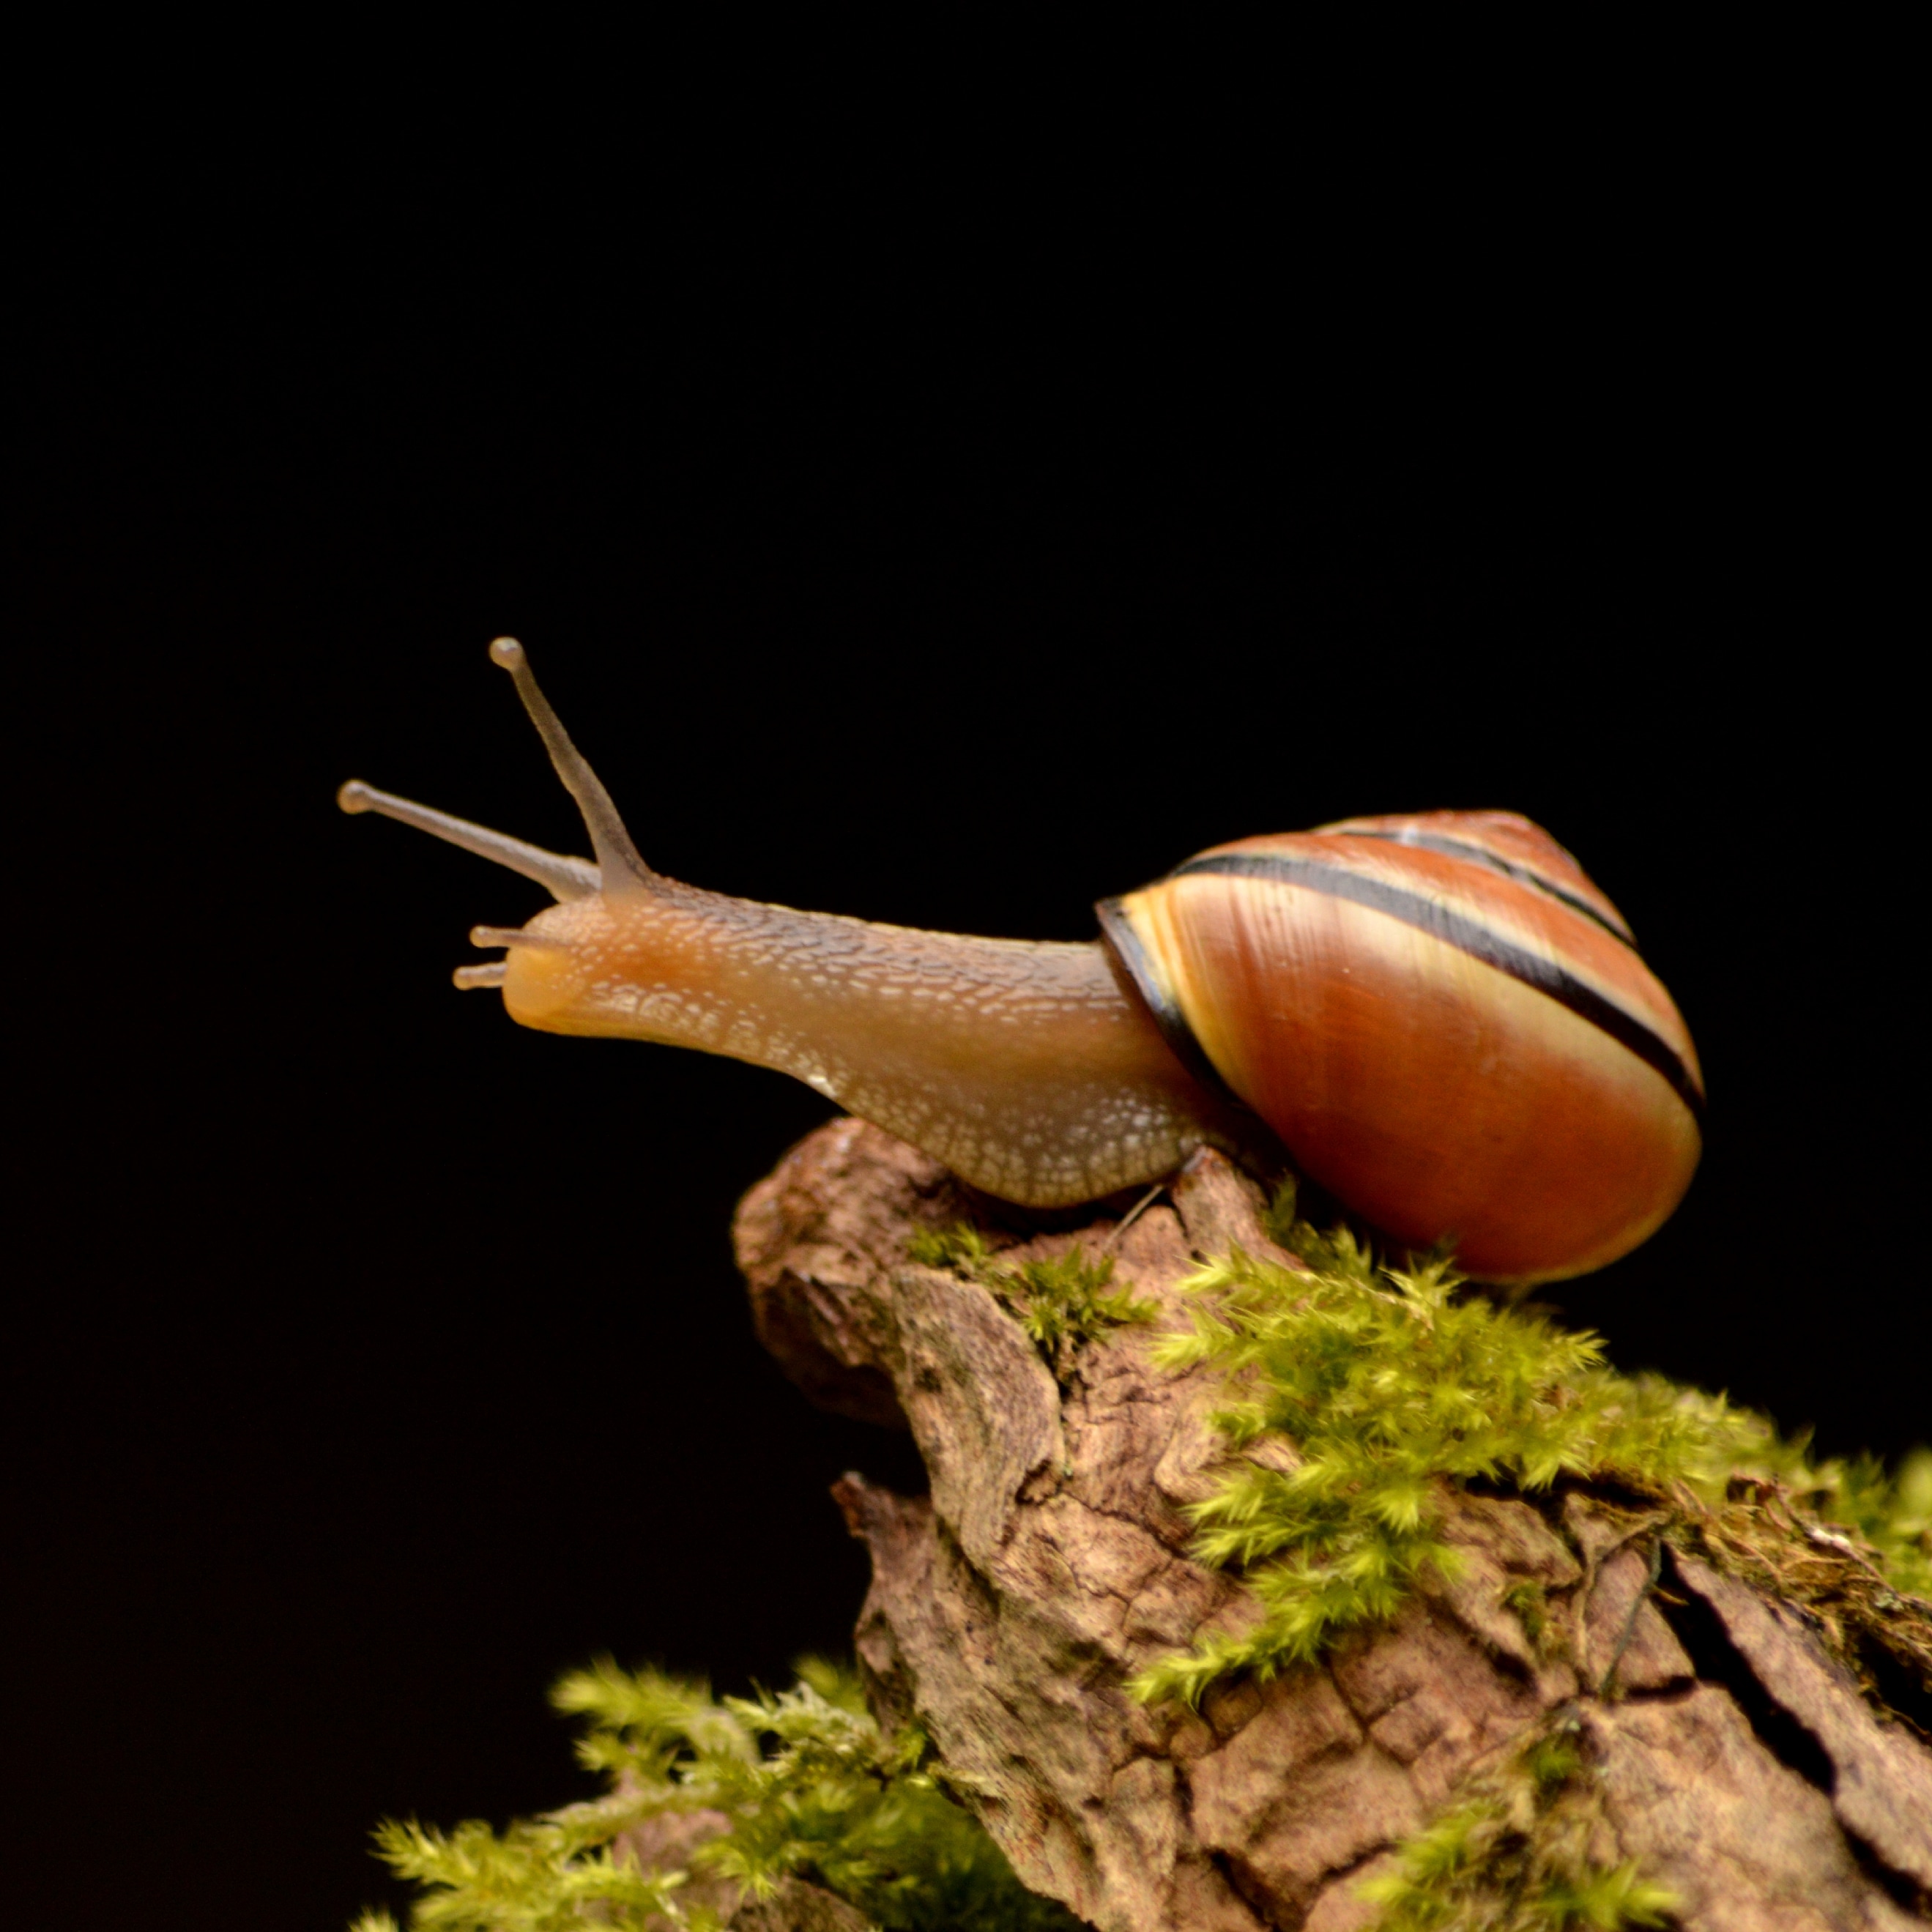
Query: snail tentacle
{"points": [[515, 935], [564, 878], [623, 872]]}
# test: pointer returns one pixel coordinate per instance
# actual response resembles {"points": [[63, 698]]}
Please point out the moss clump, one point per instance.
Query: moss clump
{"points": [[801, 1784], [1512, 1855], [1394, 1389], [1850, 1544], [1891, 1515], [1062, 1302], [960, 1246]]}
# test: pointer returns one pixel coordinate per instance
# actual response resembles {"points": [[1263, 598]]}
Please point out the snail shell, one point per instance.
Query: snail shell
{"points": [[1448, 1025]]}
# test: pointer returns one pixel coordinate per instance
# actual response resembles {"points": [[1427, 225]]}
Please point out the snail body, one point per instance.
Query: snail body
{"points": [[1443, 1021]]}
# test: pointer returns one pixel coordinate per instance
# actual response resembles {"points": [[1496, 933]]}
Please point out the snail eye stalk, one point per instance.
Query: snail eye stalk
{"points": [[625, 874], [564, 879]]}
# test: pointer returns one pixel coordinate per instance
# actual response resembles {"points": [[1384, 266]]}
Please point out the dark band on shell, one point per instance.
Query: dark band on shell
{"points": [[1157, 996], [1468, 935], [1481, 855]]}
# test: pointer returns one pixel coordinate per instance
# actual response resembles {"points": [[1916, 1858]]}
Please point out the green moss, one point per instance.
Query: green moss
{"points": [[1062, 1302], [806, 1783], [960, 1247], [1893, 1514], [1395, 1390], [1528, 1602], [1512, 1855]]}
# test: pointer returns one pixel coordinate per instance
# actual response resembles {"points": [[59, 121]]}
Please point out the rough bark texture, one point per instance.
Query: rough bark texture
{"points": [[1738, 1762]]}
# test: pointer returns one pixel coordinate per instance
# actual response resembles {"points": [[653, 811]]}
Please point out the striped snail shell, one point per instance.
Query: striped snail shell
{"points": [[1448, 1025]]}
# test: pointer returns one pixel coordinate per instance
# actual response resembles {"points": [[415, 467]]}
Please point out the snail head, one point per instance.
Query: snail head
{"points": [[548, 978]]}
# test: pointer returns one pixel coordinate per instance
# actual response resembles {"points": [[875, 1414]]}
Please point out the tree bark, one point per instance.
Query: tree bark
{"points": [[1733, 1757]]}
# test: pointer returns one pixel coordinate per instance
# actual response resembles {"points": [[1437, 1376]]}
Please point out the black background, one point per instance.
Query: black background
{"points": [[942, 555]]}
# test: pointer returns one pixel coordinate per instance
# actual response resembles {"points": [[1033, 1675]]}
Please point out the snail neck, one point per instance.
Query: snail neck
{"points": [[1028, 1068]]}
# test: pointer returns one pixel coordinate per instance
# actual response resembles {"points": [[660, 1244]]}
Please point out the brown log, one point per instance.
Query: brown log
{"points": [[1735, 1761]]}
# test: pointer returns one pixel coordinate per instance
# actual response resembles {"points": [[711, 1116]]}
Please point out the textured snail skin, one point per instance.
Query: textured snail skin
{"points": [[1028, 1069], [1439, 1016], [1446, 1023]]}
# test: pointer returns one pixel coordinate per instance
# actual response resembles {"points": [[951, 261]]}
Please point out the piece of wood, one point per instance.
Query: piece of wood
{"points": [[1050, 1563]]}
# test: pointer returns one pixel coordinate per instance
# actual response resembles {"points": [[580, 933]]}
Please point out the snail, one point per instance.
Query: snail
{"points": [[1444, 1023]]}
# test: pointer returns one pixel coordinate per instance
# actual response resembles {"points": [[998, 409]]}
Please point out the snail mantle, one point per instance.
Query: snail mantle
{"points": [[1696, 1740]]}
